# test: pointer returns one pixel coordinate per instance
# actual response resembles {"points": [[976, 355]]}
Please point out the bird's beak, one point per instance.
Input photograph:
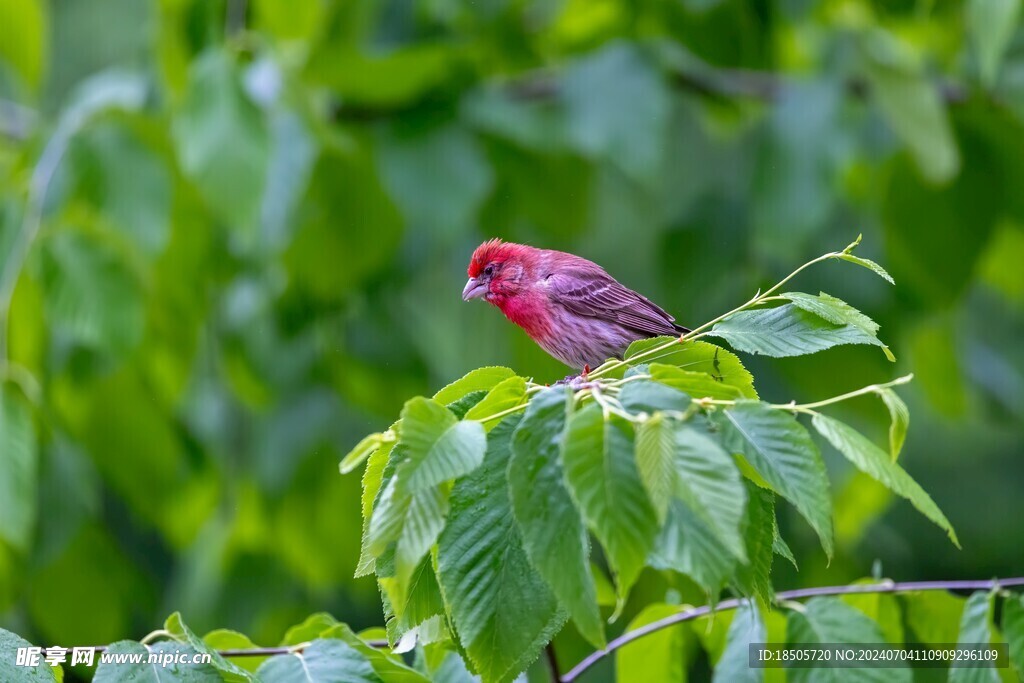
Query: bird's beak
{"points": [[474, 289]]}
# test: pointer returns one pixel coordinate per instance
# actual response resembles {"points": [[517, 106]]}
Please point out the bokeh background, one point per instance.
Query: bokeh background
{"points": [[250, 222]]}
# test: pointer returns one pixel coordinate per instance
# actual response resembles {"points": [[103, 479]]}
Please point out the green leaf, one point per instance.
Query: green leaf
{"points": [[781, 451], [310, 629], [1013, 630], [388, 666], [870, 265], [899, 417], [687, 545], [500, 605], [551, 529], [360, 452], [832, 309], [126, 182], [324, 661], [754, 576], [373, 478], [710, 483], [882, 608], [747, 627], [976, 627], [124, 672], [876, 463], [697, 384], [829, 620], [643, 395], [18, 470], [222, 140], [24, 39], [933, 616], [602, 474], [226, 639], [781, 548], [787, 331], [230, 672], [656, 461], [508, 393], [481, 379], [438, 446], [696, 356], [910, 104], [990, 26], [91, 294], [659, 656], [10, 671]]}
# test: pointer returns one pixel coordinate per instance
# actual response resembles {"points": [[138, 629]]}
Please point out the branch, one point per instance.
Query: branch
{"points": [[684, 615], [695, 612]]}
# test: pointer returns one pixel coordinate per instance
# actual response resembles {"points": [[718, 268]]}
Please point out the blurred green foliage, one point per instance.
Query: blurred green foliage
{"points": [[250, 222]]}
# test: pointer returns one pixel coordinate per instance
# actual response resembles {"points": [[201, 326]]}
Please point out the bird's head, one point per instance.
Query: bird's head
{"points": [[497, 271]]}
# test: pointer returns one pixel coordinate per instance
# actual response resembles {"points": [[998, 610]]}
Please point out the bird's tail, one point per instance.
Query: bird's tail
{"points": [[680, 329]]}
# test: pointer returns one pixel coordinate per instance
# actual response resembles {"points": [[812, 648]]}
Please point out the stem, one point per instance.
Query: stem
{"points": [[695, 612], [859, 392]]}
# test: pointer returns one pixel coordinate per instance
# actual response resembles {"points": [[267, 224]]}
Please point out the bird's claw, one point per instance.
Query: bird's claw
{"points": [[576, 382]]}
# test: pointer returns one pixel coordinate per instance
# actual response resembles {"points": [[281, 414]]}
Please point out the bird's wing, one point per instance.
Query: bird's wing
{"points": [[595, 294]]}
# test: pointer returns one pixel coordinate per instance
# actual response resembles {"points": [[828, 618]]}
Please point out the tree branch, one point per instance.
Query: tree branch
{"points": [[686, 615], [799, 593]]}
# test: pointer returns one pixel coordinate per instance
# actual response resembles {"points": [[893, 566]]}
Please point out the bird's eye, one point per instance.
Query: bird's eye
{"points": [[489, 270]]}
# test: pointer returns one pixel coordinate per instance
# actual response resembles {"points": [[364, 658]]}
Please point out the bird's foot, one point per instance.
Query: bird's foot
{"points": [[576, 382]]}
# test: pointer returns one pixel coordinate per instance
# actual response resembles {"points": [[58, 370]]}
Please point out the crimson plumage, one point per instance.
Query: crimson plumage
{"points": [[570, 306]]}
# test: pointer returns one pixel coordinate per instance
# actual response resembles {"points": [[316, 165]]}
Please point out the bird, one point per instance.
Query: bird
{"points": [[570, 306]]}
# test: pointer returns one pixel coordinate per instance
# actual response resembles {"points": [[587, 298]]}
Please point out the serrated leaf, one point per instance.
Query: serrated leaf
{"points": [[1013, 630], [781, 451], [550, 526], [656, 461], [754, 576], [874, 462], [710, 483], [870, 265], [230, 672], [696, 384], [602, 474], [829, 620], [781, 548], [18, 470], [373, 477], [324, 661], [481, 379], [124, 672], [10, 671], [787, 331], [695, 356], [659, 656], [687, 545], [832, 309], [500, 605], [508, 393], [976, 627], [360, 452], [439, 447], [899, 420], [747, 627]]}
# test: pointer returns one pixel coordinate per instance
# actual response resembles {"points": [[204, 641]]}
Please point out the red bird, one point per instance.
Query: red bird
{"points": [[576, 311]]}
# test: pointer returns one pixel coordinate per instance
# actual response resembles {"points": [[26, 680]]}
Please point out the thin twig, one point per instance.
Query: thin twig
{"points": [[799, 593]]}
